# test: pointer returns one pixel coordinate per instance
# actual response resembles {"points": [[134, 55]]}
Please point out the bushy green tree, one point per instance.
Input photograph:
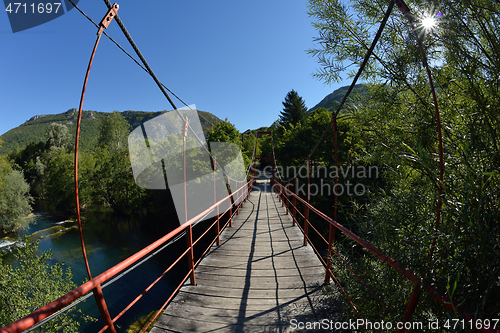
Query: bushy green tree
{"points": [[59, 179], [113, 132], [30, 160], [224, 131], [32, 285], [15, 201], [58, 136]]}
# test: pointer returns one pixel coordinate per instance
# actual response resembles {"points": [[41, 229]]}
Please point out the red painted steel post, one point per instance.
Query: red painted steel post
{"points": [[239, 192], [236, 195], [306, 212], [285, 196], [215, 201], [331, 231], [281, 195], [99, 297], [295, 202], [412, 303], [189, 240], [103, 309], [186, 124], [246, 193]]}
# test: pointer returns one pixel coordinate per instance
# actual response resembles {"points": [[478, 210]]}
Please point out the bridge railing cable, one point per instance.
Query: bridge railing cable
{"points": [[126, 266], [283, 185], [239, 193], [145, 67], [285, 194]]}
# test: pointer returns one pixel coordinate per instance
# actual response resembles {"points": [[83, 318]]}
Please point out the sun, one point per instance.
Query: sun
{"points": [[429, 22]]}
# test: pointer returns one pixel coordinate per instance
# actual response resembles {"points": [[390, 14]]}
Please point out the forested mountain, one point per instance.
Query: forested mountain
{"points": [[35, 128], [332, 100]]}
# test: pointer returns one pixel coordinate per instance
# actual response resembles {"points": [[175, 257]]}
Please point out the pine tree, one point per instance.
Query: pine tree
{"points": [[294, 110]]}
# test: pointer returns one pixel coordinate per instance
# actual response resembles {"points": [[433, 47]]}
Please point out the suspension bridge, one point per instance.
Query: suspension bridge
{"points": [[259, 279], [261, 271]]}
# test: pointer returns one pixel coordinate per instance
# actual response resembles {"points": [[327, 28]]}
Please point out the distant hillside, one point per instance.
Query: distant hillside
{"points": [[332, 100], [35, 128], [252, 132]]}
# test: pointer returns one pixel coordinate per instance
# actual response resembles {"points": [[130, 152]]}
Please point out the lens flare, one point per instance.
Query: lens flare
{"points": [[428, 22]]}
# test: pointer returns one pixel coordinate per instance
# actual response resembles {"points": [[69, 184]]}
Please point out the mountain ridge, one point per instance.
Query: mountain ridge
{"points": [[331, 101], [34, 128]]}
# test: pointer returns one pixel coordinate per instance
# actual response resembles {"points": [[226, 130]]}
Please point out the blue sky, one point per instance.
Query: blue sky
{"points": [[235, 59]]}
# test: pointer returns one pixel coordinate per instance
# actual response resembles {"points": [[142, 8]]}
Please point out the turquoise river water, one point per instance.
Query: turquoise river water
{"points": [[109, 239]]}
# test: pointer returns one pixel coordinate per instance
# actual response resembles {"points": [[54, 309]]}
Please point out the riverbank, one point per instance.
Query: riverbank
{"points": [[109, 239]]}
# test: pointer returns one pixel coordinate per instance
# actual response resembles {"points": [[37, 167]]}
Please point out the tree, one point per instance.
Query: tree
{"points": [[29, 159], [110, 170], [15, 201], [224, 131], [294, 110], [58, 136], [398, 130], [113, 132], [59, 178], [5, 168], [110, 179], [32, 285]]}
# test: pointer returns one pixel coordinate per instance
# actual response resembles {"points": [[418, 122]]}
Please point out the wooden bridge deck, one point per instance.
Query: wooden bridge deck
{"points": [[258, 280]]}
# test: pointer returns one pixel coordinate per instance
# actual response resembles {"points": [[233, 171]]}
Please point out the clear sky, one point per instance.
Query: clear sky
{"points": [[235, 59]]}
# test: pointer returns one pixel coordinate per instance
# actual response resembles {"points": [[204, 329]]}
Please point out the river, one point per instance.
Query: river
{"points": [[109, 239]]}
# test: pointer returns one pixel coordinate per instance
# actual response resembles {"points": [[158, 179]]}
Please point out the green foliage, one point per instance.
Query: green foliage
{"points": [[35, 129], [110, 180], [15, 201], [32, 285], [295, 143], [59, 179], [294, 110], [249, 145], [105, 174], [224, 131], [58, 136], [5, 168], [397, 129], [113, 132]]}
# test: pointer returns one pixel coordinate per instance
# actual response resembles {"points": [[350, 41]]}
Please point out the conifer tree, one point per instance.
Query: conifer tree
{"points": [[294, 110]]}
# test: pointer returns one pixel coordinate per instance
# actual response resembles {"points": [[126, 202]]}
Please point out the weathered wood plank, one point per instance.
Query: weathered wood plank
{"points": [[257, 280]]}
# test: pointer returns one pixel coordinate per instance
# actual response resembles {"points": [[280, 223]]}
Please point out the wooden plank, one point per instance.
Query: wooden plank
{"points": [[257, 280]]}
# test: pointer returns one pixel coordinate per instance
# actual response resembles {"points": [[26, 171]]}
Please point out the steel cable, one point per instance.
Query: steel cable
{"points": [[147, 70], [358, 74], [124, 51]]}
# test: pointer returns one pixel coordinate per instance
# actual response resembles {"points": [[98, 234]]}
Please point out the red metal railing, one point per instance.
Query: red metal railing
{"points": [[239, 196], [289, 200]]}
